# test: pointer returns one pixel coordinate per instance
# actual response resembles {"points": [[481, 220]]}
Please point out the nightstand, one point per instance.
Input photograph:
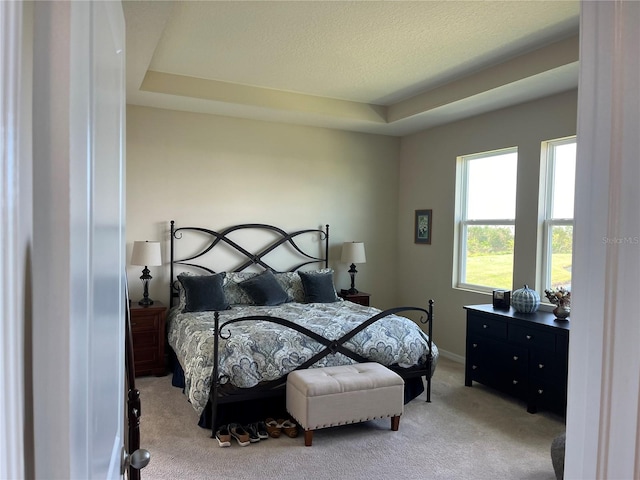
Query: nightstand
{"points": [[361, 298], [147, 330]]}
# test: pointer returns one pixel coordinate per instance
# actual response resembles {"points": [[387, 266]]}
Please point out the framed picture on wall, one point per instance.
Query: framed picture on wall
{"points": [[423, 226]]}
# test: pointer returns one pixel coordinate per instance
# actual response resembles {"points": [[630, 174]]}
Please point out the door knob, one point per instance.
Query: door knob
{"points": [[138, 459]]}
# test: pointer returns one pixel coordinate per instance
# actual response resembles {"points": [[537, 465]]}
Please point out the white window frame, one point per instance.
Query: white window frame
{"points": [[464, 223], [548, 148]]}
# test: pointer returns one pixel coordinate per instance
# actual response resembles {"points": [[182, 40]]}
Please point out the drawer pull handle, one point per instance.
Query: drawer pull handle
{"points": [[515, 357], [540, 391], [475, 345], [484, 325], [540, 365], [474, 367], [528, 337], [515, 382]]}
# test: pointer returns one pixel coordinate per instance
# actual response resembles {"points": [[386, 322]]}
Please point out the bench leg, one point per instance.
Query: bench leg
{"points": [[395, 423], [308, 438]]}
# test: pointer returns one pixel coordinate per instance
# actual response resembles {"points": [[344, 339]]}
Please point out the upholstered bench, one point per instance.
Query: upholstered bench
{"points": [[325, 397]]}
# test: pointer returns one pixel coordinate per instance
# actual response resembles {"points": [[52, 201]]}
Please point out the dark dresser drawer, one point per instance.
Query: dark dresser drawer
{"points": [[532, 337], [548, 394], [487, 327], [546, 364], [497, 355]]}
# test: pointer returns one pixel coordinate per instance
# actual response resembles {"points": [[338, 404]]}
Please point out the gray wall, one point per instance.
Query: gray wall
{"points": [[428, 180], [205, 170]]}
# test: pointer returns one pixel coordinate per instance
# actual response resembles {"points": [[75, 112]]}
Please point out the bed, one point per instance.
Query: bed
{"points": [[237, 331]]}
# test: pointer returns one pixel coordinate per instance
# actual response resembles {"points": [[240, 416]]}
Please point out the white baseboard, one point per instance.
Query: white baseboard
{"points": [[452, 356]]}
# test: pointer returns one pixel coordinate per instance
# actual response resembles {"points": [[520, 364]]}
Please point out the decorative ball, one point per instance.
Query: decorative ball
{"points": [[525, 300]]}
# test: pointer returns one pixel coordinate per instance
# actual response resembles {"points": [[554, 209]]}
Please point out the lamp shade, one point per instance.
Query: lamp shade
{"points": [[146, 254], [353, 252]]}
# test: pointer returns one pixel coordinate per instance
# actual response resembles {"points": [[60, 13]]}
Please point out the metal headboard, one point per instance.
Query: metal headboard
{"points": [[252, 258]]}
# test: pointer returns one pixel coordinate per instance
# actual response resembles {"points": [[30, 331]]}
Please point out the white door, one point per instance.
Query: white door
{"points": [[79, 239], [106, 239]]}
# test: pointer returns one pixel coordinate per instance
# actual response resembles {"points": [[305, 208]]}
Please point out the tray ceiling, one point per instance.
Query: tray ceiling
{"points": [[392, 67]]}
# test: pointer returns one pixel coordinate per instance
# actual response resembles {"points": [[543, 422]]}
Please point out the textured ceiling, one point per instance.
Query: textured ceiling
{"points": [[390, 67]]}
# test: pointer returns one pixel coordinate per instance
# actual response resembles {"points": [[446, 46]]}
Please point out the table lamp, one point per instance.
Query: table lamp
{"points": [[146, 254], [353, 252]]}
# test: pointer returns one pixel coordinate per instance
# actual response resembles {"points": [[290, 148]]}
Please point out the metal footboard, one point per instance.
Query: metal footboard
{"points": [[219, 394]]}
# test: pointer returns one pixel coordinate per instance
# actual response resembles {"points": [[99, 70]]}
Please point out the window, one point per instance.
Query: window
{"points": [[558, 220], [486, 211]]}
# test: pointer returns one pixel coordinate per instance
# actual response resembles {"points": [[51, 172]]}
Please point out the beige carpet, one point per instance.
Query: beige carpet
{"points": [[472, 433]]}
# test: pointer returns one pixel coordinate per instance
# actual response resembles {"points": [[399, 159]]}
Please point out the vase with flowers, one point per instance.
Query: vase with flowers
{"points": [[561, 298]]}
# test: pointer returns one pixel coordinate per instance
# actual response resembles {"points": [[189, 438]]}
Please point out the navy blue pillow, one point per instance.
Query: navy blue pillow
{"points": [[318, 287], [203, 293], [264, 289]]}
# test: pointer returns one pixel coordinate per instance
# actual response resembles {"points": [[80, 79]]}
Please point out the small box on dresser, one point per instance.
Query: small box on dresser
{"points": [[148, 332], [522, 354]]}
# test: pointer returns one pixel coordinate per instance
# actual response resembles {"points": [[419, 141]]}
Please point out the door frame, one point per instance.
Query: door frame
{"points": [[15, 240]]}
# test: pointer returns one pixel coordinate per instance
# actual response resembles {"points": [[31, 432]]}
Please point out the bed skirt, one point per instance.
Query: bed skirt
{"points": [[259, 409]]}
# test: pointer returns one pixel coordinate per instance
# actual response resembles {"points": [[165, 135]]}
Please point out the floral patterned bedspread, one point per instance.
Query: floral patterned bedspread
{"points": [[260, 351]]}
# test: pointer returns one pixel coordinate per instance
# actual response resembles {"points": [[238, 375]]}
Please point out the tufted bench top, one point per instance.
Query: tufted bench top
{"points": [[314, 382]]}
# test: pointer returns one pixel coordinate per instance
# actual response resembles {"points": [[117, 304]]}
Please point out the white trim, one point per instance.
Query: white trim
{"points": [[11, 269], [462, 222], [549, 158], [506, 221], [452, 356], [51, 232], [603, 418]]}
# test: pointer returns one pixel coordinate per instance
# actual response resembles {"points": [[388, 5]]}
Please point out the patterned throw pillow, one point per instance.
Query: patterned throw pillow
{"points": [[232, 290], [182, 299], [291, 283]]}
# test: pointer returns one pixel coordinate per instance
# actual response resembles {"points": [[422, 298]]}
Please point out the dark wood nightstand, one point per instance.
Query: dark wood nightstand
{"points": [[361, 298], [147, 330]]}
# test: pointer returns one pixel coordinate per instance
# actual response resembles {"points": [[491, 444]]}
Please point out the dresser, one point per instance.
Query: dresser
{"points": [[522, 354], [147, 331]]}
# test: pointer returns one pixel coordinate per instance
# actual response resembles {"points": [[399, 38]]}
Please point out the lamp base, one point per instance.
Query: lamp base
{"points": [[349, 291], [146, 302], [352, 274]]}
